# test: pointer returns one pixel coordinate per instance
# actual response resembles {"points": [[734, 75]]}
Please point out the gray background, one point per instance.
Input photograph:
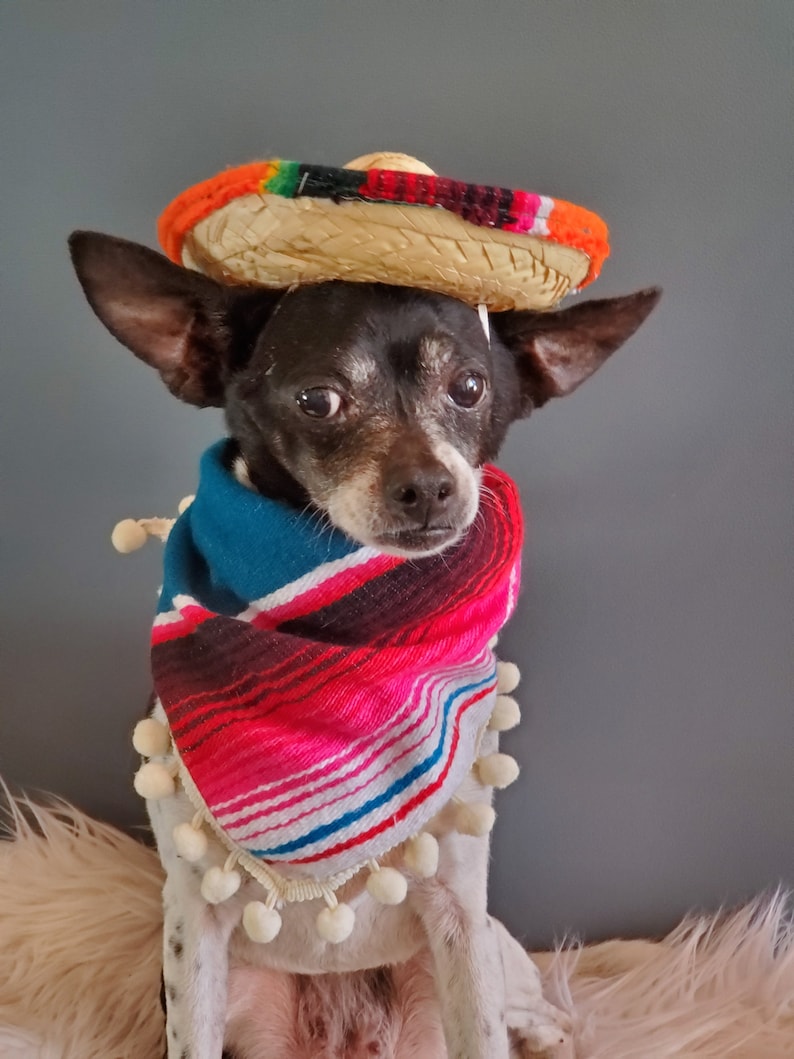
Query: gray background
{"points": [[654, 628]]}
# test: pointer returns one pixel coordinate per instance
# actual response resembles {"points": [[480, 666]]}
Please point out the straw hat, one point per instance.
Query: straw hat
{"points": [[384, 218]]}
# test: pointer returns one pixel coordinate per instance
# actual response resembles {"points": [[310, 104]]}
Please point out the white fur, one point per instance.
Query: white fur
{"points": [[80, 920], [435, 353]]}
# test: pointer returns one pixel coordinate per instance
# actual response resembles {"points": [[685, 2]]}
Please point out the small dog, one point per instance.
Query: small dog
{"points": [[375, 406]]}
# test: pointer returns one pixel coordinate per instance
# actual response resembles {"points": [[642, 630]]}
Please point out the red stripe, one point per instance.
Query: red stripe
{"points": [[269, 684], [324, 662], [190, 618], [434, 701], [370, 668], [404, 810], [229, 703], [330, 591], [294, 667]]}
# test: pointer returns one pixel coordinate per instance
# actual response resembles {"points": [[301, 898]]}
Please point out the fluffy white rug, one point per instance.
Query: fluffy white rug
{"points": [[79, 937]]}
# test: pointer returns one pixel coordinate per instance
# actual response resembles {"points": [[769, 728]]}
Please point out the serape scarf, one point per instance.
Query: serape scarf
{"points": [[325, 699]]}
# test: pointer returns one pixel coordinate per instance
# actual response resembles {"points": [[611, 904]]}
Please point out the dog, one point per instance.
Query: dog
{"points": [[374, 406]]}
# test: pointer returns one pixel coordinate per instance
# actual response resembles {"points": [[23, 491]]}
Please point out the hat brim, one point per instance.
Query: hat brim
{"points": [[280, 223]]}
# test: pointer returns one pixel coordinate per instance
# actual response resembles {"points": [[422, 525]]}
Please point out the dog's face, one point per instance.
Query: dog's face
{"points": [[375, 405], [382, 402]]}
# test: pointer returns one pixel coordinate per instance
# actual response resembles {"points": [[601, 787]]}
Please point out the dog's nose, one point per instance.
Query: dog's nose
{"points": [[420, 491]]}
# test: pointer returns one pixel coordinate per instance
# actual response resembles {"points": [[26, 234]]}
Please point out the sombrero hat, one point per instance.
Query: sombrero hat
{"points": [[384, 218]]}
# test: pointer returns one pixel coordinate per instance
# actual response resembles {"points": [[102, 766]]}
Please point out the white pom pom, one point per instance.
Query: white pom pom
{"points": [[261, 923], [336, 924], [497, 770], [421, 855], [190, 842], [185, 503], [153, 781], [151, 738], [128, 536], [506, 714], [508, 677], [387, 886], [476, 820], [219, 885]]}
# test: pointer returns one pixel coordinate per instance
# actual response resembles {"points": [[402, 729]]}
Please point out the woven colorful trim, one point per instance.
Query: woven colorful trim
{"points": [[479, 204]]}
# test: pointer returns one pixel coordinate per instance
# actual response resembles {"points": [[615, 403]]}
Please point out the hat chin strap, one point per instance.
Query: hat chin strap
{"points": [[482, 312]]}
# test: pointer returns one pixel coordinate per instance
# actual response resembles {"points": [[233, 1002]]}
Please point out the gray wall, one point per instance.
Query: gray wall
{"points": [[654, 628]]}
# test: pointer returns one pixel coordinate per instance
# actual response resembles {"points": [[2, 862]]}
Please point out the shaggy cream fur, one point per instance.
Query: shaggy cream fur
{"points": [[80, 927], [716, 986]]}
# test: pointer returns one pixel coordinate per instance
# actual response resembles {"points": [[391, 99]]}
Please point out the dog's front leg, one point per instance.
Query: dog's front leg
{"points": [[195, 968], [537, 1026], [467, 964]]}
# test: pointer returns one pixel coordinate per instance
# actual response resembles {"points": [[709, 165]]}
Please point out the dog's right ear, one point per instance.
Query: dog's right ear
{"points": [[557, 351], [194, 331]]}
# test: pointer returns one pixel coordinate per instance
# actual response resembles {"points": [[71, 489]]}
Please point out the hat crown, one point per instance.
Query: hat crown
{"points": [[394, 160]]}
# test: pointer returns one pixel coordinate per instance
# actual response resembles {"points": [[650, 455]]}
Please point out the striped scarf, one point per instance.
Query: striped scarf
{"points": [[325, 699]]}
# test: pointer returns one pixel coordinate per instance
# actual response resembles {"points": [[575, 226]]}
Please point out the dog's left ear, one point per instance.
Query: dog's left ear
{"points": [[555, 352], [195, 332]]}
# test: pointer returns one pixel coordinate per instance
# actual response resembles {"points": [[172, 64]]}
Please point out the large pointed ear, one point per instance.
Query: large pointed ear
{"points": [[555, 352], [194, 331]]}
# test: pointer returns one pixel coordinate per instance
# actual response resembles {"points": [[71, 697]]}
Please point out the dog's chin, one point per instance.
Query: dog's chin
{"points": [[417, 543], [354, 509]]}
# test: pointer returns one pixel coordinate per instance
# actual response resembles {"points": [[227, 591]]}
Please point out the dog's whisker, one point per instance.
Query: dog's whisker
{"points": [[486, 492], [316, 519]]}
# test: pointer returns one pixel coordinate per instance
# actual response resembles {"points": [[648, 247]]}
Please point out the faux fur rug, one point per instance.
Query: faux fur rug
{"points": [[79, 937]]}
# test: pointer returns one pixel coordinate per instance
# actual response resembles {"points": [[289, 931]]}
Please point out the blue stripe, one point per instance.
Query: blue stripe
{"points": [[325, 830]]}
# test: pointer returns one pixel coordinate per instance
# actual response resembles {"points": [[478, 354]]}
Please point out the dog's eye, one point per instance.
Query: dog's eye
{"points": [[467, 390], [319, 402]]}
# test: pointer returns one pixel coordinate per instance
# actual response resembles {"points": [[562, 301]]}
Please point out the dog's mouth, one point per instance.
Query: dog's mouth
{"points": [[412, 523], [415, 543]]}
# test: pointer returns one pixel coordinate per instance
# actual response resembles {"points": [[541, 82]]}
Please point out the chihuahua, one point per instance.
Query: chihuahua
{"points": [[374, 406]]}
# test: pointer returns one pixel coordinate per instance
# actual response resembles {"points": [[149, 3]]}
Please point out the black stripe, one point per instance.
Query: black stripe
{"points": [[325, 182]]}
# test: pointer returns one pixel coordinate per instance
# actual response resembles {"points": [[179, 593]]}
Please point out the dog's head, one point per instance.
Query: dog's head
{"points": [[374, 404]]}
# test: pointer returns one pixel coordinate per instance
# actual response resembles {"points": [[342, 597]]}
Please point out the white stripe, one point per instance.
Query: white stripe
{"points": [[350, 800], [540, 225], [339, 791], [282, 595], [309, 581], [361, 747], [473, 721], [320, 772], [167, 618]]}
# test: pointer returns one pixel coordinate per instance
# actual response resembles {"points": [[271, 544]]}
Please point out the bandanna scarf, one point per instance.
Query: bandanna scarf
{"points": [[324, 699]]}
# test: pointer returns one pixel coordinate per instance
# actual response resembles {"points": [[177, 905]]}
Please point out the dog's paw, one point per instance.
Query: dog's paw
{"points": [[544, 1031]]}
